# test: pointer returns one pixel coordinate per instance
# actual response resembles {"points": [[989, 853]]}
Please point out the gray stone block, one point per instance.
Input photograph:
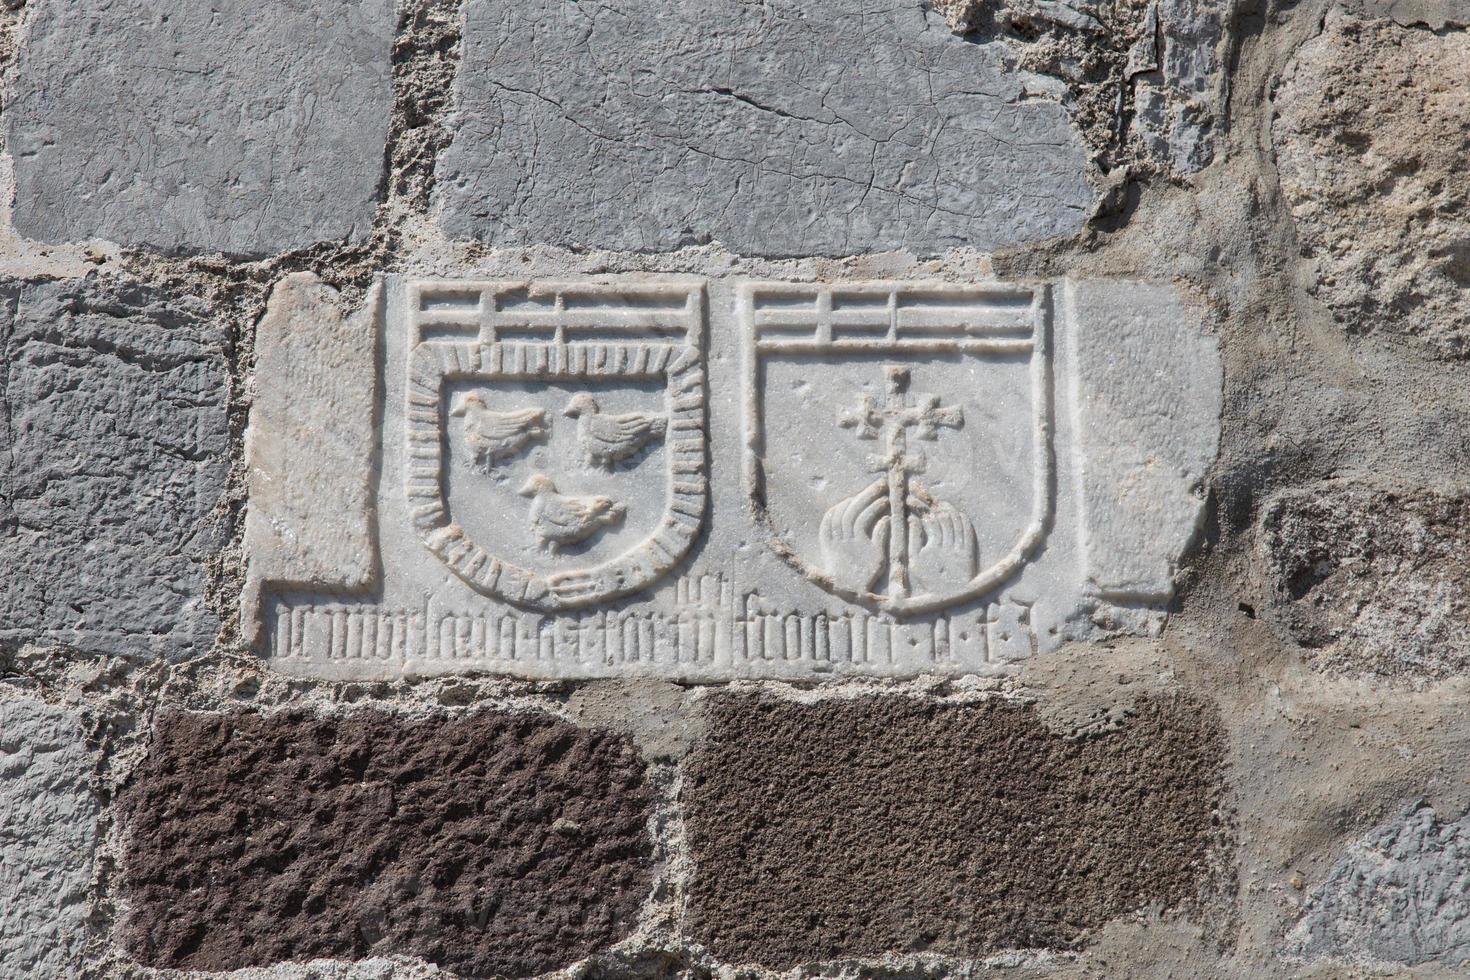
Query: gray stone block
{"points": [[113, 451], [778, 128], [47, 832], [1398, 895], [190, 127]]}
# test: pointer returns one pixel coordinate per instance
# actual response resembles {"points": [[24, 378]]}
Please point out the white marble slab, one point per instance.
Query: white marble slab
{"points": [[711, 479]]}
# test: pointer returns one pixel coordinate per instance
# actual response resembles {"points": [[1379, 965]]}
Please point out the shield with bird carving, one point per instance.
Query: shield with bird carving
{"points": [[556, 450]]}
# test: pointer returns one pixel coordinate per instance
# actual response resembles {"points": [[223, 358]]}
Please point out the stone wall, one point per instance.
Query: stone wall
{"points": [[910, 488]]}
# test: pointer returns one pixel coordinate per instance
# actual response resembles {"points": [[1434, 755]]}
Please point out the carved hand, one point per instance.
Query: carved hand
{"points": [[854, 537], [942, 548]]}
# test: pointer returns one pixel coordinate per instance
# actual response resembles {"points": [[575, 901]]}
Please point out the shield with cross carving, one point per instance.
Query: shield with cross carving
{"points": [[899, 435]]}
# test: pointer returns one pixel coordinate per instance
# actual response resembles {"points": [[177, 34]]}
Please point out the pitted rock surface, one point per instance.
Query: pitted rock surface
{"points": [[1372, 133], [1372, 581], [1398, 895], [489, 844], [48, 816], [113, 452], [190, 127], [780, 128], [859, 827]]}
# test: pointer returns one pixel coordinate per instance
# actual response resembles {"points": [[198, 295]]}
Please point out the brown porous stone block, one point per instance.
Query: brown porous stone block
{"points": [[889, 825], [489, 843]]}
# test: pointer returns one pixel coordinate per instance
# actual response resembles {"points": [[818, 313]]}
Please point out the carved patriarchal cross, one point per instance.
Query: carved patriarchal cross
{"points": [[891, 421]]}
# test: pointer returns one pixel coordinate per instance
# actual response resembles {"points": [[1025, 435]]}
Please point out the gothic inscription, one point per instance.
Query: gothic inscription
{"points": [[719, 478]]}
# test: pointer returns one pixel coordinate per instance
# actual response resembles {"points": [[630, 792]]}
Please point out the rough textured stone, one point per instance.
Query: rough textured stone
{"points": [[190, 127], [1372, 581], [776, 128], [48, 816], [1401, 894], [113, 452], [1144, 77], [857, 827], [310, 456], [490, 844], [1372, 133], [1176, 76]]}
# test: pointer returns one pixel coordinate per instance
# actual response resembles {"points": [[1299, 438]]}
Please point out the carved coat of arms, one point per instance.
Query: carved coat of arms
{"points": [[899, 436], [555, 435]]}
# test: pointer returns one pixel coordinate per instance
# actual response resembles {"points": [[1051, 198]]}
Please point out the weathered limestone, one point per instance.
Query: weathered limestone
{"points": [[779, 128], [113, 452], [1398, 895], [892, 478], [1372, 581], [310, 481], [189, 127], [48, 816], [489, 844], [1372, 133], [890, 825]]}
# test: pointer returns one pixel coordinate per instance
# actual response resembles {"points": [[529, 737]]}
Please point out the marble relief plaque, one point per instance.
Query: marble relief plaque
{"points": [[710, 479]]}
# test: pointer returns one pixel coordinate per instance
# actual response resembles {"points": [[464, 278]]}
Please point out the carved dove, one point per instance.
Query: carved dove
{"points": [[492, 436], [609, 439], [558, 518]]}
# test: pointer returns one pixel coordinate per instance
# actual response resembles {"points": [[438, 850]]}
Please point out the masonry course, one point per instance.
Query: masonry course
{"points": [[1239, 748]]}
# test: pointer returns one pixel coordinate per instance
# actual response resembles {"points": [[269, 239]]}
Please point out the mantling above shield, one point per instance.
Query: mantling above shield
{"points": [[555, 435], [899, 436]]}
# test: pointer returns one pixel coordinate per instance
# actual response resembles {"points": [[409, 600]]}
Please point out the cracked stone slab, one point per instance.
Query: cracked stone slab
{"points": [[188, 127], [780, 128], [859, 827], [1398, 895], [48, 815], [711, 478], [114, 449], [489, 844]]}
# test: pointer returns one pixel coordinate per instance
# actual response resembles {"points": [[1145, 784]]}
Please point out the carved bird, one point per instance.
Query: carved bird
{"points": [[492, 436], [558, 519], [609, 439]]}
